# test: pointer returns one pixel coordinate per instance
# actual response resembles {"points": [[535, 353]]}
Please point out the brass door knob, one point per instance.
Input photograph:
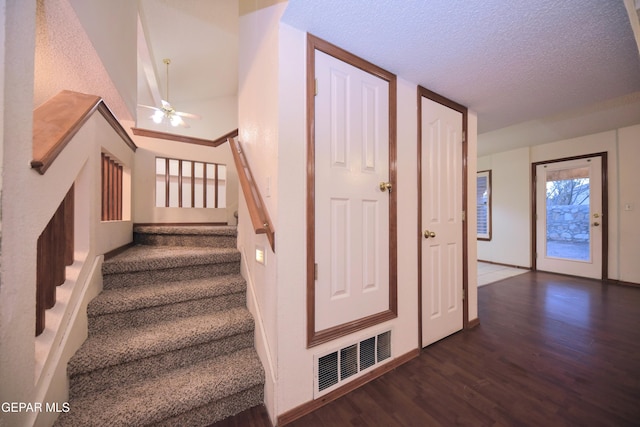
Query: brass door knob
{"points": [[428, 234], [595, 224], [385, 186]]}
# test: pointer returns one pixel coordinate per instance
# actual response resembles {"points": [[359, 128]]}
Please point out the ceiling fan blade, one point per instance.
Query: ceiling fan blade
{"points": [[181, 122], [149, 107], [188, 115]]}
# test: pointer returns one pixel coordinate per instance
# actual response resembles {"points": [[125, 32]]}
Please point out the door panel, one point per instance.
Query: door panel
{"points": [[351, 212], [442, 242], [569, 217]]}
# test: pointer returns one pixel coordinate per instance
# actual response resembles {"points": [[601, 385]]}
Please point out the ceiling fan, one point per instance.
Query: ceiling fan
{"points": [[166, 113]]}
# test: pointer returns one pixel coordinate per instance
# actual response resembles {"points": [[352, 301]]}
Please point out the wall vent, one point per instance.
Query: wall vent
{"points": [[337, 366]]}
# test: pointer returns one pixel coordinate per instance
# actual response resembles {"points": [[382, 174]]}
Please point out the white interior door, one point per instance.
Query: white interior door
{"points": [[351, 212], [442, 281], [569, 217]]}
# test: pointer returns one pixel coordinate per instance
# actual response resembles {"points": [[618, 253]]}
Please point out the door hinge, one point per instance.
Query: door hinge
{"points": [[464, 295], [315, 271], [315, 90], [464, 215], [464, 136]]}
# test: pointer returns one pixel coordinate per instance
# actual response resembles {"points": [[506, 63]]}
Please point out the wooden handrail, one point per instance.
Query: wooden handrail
{"points": [[257, 210], [183, 138], [56, 121]]}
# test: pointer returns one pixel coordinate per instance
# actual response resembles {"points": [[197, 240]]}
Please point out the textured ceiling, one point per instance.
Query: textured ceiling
{"points": [[551, 67], [509, 60]]}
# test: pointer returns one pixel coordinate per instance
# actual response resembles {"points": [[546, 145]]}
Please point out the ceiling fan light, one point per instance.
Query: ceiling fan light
{"points": [[175, 120], [157, 117]]}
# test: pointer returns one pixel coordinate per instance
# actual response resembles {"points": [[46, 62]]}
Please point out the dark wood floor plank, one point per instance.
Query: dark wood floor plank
{"points": [[549, 350]]}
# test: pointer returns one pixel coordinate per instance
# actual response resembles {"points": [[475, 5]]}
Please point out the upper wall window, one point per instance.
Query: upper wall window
{"points": [[484, 204], [190, 184], [112, 188]]}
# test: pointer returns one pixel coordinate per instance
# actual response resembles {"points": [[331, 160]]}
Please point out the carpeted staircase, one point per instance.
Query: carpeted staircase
{"points": [[170, 339]]}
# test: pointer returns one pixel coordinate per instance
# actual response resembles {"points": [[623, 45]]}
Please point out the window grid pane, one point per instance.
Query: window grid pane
{"points": [[187, 183]]}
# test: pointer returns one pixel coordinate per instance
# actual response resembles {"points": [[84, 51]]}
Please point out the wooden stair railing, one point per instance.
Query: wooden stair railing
{"points": [[54, 124], [54, 254], [257, 210], [56, 121]]}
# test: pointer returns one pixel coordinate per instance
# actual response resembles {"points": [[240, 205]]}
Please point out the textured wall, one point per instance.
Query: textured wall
{"points": [[65, 58], [17, 283], [116, 49]]}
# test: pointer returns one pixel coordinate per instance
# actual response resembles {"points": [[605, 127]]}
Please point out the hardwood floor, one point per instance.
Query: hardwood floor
{"points": [[550, 351]]}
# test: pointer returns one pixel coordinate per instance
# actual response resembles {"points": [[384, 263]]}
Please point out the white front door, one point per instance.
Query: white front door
{"points": [[351, 212], [569, 217], [442, 222]]}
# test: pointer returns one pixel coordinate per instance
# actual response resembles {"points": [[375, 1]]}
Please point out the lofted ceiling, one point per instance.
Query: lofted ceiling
{"points": [[200, 37], [551, 68]]}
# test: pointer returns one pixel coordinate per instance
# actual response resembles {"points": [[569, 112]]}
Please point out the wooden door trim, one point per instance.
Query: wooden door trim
{"points": [[318, 337], [605, 208], [426, 93]]}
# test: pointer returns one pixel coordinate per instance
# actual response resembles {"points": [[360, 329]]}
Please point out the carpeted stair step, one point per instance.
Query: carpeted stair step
{"points": [[170, 339], [116, 357], [141, 265], [122, 346], [210, 236], [185, 396], [96, 381], [136, 306]]}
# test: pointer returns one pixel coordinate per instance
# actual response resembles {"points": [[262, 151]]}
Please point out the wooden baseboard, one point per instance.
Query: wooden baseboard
{"points": [[117, 251], [473, 323], [311, 406], [505, 265], [178, 224], [622, 283]]}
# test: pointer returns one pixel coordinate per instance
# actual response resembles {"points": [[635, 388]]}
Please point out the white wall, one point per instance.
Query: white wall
{"points": [[115, 48], [274, 138], [65, 57], [629, 203], [17, 283], [510, 207], [295, 361], [511, 242], [258, 115], [472, 218], [144, 185]]}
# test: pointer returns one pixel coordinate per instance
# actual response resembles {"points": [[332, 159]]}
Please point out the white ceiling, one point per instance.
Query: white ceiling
{"points": [[201, 39], [522, 65]]}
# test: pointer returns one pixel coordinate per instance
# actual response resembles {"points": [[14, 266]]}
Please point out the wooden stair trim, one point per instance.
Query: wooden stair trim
{"points": [[187, 139], [56, 121]]}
